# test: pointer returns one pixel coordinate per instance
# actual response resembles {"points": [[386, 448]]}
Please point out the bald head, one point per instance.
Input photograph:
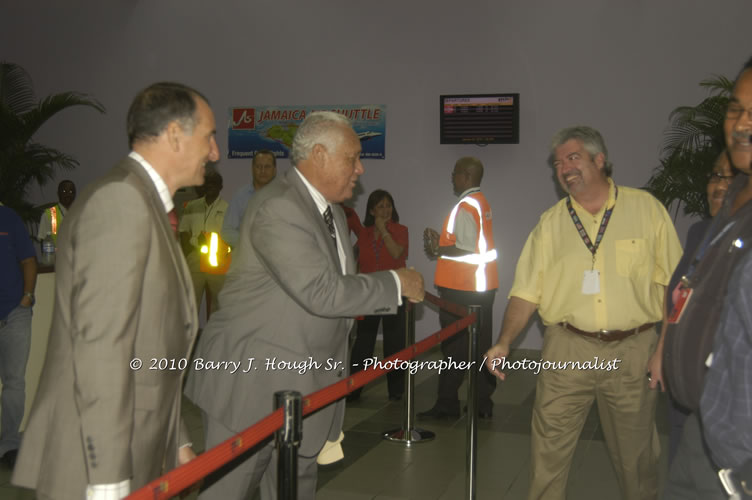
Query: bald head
{"points": [[472, 167]]}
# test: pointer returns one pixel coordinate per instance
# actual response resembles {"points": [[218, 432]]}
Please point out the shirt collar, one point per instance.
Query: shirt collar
{"points": [[470, 191], [318, 198], [611, 193], [610, 202], [159, 183]]}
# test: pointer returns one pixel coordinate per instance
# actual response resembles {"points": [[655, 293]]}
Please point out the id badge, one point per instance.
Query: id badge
{"points": [[681, 296], [591, 282]]}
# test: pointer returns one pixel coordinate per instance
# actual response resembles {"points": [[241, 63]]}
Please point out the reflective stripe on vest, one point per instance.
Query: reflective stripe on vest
{"points": [[215, 258], [53, 219], [484, 256]]}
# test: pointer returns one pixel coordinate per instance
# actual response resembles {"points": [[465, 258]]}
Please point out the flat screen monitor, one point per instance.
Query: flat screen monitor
{"points": [[480, 119]]}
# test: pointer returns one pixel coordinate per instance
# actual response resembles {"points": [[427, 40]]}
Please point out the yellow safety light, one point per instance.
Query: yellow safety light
{"points": [[215, 258]]}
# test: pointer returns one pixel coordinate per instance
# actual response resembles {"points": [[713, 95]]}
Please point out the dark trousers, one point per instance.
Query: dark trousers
{"points": [[457, 348], [394, 341], [692, 475], [677, 415]]}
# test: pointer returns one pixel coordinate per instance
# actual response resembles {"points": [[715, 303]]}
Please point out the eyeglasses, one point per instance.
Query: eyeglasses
{"points": [[714, 177], [735, 111]]}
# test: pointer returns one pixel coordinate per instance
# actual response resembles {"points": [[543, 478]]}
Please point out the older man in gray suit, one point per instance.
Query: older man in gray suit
{"points": [[100, 426], [290, 295]]}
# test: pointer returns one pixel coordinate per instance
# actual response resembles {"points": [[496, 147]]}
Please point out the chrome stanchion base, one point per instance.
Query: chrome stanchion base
{"points": [[408, 437]]}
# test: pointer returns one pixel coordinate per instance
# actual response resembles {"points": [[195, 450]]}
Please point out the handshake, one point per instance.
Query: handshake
{"points": [[412, 284]]}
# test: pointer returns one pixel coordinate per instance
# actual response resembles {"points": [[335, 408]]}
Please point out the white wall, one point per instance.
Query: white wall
{"points": [[618, 66]]}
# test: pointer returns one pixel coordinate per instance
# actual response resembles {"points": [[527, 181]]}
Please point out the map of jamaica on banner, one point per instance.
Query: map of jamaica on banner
{"points": [[255, 128]]}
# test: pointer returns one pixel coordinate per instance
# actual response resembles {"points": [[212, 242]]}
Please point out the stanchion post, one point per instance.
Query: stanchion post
{"points": [[408, 416], [472, 404], [408, 434], [287, 440]]}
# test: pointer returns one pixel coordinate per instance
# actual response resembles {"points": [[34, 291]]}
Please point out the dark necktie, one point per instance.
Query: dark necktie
{"points": [[329, 218]]}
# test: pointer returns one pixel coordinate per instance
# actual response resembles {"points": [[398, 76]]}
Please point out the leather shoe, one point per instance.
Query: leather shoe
{"points": [[352, 397], [438, 413], [395, 397], [482, 414], [9, 459]]}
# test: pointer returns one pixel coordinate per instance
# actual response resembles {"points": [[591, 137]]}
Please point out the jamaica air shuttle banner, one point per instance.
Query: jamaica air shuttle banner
{"points": [[255, 128]]}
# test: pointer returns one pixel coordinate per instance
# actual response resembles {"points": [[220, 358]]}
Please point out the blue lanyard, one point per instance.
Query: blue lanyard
{"points": [[601, 230]]}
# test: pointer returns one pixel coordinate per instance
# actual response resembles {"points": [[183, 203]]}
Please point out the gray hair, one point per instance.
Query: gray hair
{"points": [[317, 129], [591, 140]]}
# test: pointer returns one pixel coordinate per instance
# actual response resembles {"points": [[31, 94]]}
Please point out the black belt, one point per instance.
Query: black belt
{"points": [[609, 335]]}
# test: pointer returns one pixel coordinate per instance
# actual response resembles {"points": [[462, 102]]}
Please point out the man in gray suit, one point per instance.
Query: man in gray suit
{"points": [[290, 296], [102, 424]]}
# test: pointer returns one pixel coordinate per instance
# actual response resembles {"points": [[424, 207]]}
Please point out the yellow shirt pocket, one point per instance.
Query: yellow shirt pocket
{"points": [[631, 257]]}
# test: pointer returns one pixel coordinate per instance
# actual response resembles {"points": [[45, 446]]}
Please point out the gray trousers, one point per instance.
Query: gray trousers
{"points": [[240, 480]]}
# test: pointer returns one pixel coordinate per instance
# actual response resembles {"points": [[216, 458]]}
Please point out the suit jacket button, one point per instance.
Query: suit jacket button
{"points": [[340, 372]]}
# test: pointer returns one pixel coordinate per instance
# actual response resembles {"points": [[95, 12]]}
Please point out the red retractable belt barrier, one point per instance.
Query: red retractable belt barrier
{"points": [[186, 475]]}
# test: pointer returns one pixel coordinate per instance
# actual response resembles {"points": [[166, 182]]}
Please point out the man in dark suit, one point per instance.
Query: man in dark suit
{"points": [[290, 296], [100, 426]]}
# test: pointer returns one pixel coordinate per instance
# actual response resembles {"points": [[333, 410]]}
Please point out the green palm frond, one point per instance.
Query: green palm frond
{"points": [[692, 141], [16, 90], [718, 85], [51, 105], [23, 161]]}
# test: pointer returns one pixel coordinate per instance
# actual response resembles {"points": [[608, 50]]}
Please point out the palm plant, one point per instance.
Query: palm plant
{"points": [[22, 160], [693, 140]]}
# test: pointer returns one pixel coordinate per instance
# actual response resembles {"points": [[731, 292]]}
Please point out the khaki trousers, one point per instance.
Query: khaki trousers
{"points": [[626, 407], [207, 281]]}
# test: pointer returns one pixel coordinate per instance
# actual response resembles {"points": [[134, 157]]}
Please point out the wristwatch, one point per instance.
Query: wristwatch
{"points": [[30, 295]]}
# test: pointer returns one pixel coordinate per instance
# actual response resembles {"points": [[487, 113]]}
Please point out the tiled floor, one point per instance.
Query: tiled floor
{"points": [[376, 469]]}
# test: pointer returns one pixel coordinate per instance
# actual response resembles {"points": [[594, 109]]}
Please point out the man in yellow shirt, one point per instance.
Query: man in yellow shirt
{"points": [[595, 267]]}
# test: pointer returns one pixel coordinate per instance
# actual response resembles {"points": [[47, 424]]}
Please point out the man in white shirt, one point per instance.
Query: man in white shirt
{"points": [[291, 293], [53, 217]]}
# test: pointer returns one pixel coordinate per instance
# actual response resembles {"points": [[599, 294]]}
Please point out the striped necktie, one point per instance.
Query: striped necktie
{"points": [[329, 219]]}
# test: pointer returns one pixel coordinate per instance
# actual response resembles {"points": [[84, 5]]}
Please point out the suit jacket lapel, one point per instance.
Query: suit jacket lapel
{"points": [[164, 226], [316, 217]]}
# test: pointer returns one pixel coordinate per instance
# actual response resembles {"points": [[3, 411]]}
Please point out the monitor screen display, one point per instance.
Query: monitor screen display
{"points": [[480, 119]]}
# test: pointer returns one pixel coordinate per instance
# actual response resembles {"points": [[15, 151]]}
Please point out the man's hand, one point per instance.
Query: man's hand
{"points": [[431, 242], [494, 357], [185, 455], [655, 370], [412, 284], [380, 223]]}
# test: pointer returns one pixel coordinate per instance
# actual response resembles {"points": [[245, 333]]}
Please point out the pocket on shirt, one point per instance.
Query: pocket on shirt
{"points": [[631, 256]]}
